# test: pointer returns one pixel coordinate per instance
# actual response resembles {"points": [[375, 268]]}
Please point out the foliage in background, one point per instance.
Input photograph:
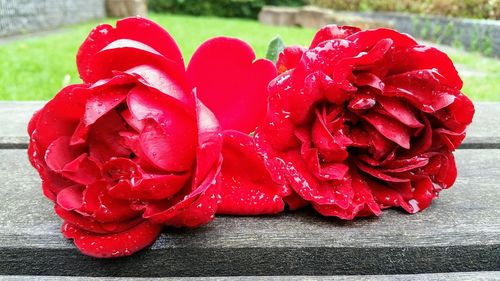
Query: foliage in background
{"points": [[220, 8], [37, 67], [456, 8]]}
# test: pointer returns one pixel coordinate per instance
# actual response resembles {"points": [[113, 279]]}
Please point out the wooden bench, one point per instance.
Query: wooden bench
{"points": [[458, 237]]}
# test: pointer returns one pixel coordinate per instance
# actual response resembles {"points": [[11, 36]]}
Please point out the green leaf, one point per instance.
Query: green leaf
{"points": [[276, 46]]}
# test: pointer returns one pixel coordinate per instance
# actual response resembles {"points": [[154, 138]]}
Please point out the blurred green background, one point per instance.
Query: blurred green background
{"points": [[36, 67]]}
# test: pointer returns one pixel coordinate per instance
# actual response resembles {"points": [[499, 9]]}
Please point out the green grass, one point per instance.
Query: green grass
{"points": [[484, 88], [36, 68]]}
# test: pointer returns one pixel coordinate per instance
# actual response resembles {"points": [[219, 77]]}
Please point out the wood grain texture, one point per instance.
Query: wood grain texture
{"points": [[14, 117], [457, 276], [460, 232]]}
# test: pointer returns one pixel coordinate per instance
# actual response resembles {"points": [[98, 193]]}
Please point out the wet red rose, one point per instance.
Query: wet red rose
{"points": [[363, 121], [135, 147]]}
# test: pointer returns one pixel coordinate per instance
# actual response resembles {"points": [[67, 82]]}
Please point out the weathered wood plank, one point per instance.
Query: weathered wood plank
{"points": [[457, 276], [14, 117], [460, 232]]}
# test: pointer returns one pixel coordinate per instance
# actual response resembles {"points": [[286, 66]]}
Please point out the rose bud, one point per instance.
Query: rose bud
{"points": [[135, 147], [365, 120]]}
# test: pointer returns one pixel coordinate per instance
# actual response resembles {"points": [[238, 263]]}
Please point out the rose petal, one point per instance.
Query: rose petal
{"points": [[71, 162], [305, 184], [246, 186], [60, 116], [105, 208], [71, 198], [209, 142], [105, 141], [424, 193], [169, 141], [171, 82], [289, 58], [231, 83], [372, 171], [330, 32], [423, 57], [133, 183], [389, 128], [366, 39], [401, 111], [422, 88], [87, 223], [362, 203], [183, 210], [279, 126], [112, 245], [138, 34], [295, 202], [201, 211]]}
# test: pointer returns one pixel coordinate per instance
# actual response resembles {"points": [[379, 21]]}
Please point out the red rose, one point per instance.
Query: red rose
{"points": [[133, 148], [363, 121]]}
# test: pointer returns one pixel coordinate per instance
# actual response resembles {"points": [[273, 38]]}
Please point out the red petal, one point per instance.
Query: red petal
{"points": [[289, 58], [136, 124], [60, 116], [449, 177], [246, 186], [71, 198], [231, 83], [329, 53], [389, 128], [330, 32], [144, 34], [70, 162], [279, 127], [305, 184], [403, 165], [423, 57], [112, 245], [200, 212], [60, 153], [362, 203], [366, 39], [98, 105], [150, 187], [172, 150], [458, 115], [169, 142], [105, 141], [422, 143], [89, 224], [381, 147], [185, 209], [53, 183], [424, 193], [105, 208], [331, 148], [101, 102], [422, 88], [295, 202], [208, 152], [387, 197], [400, 111], [375, 172], [171, 82]]}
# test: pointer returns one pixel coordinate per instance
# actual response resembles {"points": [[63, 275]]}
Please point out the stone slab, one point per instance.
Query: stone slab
{"points": [[458, 276]]}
